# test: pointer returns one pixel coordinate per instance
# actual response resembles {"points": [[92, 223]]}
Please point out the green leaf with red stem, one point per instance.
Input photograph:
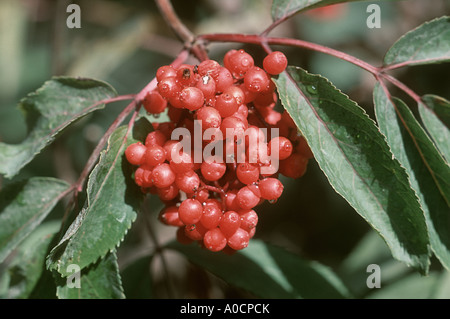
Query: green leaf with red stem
{"points": [[357, 162], [112, 202], [435, 114], [23, 206], [58, 103], [429, 174], [428, 43]]}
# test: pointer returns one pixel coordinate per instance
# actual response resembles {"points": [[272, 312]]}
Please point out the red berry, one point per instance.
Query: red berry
{"points": [[224, 80], [195, 231], [192, 98], [229, 223], [226, 104], [231, 201], [247, 173], [168, 193], [209, 117], [294, 166], [162, 175], [154, 103], [275, 63], [135, 153], [303, 148], [155, 155], [143, 176], [209, 67], [188, 181], [239, 240], [155, 138], [256, 80], [214, 240], [169, 216], [181, 236], [207, 85], [186, 75], [281, 145], [271, 188], [249, 219], [190, 211], [212, 215], [181, 163], [169, 87], [239, 63], [165, 71], [247, 198], [213, 171]]}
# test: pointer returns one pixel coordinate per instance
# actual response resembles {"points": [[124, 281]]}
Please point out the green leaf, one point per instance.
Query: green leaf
{"points": [[28, 263], [414, 286], [435, 114], [357, 162], [112, 201], [137, 280], [23, 206], [428, 43], [98, 281], [282, 9], [268, 271], [50, 109], [429, 175]]}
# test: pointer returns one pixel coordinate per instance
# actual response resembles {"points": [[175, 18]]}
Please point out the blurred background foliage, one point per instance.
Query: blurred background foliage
{"points": [[124, 42]]}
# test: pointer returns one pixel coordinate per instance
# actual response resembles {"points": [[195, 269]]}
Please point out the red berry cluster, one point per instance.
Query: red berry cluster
{"points": [[213, 201]]}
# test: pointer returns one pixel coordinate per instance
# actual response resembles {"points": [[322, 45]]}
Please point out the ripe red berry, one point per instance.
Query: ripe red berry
{"points": [[247, 198], [282, 145], [239, 240], [168, 193], [165, 71], [294, 166], [192, 98], [229, 223], [209, 117], [275, 63], [169, 87], [207, 85], [247, 173], [212, 214], [249, 219], [226, 104], [223, 80], [239, 62], [209, 67], [143, 176], [155, 155], [154, 103], [214, 240], [256, 80], [135, 152], [181, 163], [188, 182], [162, 175], [212, 171], [155, 138], [195, 231], [190, 211], [169, 216], [271, 188]]}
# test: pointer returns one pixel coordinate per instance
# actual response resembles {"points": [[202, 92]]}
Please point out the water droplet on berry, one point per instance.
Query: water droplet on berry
{"points": [[272, 201]]}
